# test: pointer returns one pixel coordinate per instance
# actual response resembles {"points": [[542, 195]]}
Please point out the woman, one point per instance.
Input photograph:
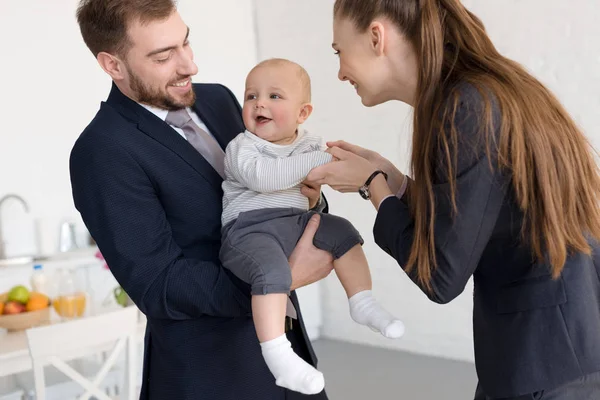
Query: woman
{"points": [[504, 189]]}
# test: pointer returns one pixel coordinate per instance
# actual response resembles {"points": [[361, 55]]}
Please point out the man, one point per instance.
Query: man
{"points": [[147, 184]]}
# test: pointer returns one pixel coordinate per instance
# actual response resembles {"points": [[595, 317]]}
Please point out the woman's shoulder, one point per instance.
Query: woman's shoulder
{"points": [[473, 97], [470, 95], [472, 112]]}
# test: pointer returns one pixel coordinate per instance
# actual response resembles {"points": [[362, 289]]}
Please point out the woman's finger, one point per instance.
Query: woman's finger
{"points": [[339, 153], [317, 175], [334, 158], [347, 146]]}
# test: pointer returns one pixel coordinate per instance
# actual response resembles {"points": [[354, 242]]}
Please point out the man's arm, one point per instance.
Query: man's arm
{"points": [[120, 207]]}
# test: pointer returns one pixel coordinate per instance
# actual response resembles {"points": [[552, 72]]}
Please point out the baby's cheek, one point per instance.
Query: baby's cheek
{"points": [[246, 115]]}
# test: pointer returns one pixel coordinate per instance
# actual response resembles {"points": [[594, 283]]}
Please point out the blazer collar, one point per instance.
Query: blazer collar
{"points": [[160, 131]]}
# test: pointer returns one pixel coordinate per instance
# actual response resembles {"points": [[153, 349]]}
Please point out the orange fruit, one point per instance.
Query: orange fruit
{"points": [[37, 301], [1, 308]]}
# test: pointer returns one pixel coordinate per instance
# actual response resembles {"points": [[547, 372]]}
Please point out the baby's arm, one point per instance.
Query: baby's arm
{"points": [[263, 174]]}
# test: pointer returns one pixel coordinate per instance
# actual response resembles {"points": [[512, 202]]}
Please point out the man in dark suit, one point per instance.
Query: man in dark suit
{"points": [[150, 196]]}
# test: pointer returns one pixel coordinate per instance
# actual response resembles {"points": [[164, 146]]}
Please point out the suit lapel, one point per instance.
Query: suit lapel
{"points": [[164, 134], [296, 304], [160, 131]]}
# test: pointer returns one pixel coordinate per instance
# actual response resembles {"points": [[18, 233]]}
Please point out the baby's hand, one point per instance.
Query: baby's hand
{"points": [[312, 191]]}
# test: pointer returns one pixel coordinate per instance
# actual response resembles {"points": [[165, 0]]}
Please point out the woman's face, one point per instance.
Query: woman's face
{"points": [[380, 63]]}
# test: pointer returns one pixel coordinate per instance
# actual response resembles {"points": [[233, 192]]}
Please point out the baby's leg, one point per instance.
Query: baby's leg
{"points": [[257, 258], [352, 270], [290, 371], [268, 312]]}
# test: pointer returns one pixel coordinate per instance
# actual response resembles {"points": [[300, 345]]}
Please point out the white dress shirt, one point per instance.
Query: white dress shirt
{"points": [[162, 114]]}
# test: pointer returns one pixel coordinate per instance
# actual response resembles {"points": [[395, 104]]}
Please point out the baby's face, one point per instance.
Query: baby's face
{"points": [[273, 103]]}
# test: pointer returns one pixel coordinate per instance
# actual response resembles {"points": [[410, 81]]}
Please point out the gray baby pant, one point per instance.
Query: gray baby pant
{"points": [[256, 246]]}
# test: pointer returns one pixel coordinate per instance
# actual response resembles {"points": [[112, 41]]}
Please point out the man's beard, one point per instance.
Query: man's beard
{"points": [[147, 95]]}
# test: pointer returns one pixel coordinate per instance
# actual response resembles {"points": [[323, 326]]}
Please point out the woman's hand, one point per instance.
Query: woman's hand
{"points": [[395, 177], [373, 157], [346, 173]]}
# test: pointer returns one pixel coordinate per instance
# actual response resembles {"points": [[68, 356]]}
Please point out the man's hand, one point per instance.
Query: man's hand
{"points": [[311, 190], [309, 264]]}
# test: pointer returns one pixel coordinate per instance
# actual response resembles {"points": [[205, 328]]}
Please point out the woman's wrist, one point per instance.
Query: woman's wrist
{"points": [[395, 177], [379, 190]]}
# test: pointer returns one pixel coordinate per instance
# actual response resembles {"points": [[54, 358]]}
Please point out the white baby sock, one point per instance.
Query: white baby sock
{"points": [[291, 371], [365, 310]]}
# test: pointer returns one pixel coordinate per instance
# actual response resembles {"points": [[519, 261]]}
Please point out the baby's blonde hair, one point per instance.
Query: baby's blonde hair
{"points": [[301, 72]]}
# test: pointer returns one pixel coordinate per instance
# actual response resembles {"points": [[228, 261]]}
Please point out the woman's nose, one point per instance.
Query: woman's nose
{"points": [[341, 76]]}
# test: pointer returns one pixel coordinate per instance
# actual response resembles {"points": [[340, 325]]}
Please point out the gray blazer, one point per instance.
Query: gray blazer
{"points": [[531, 332]]}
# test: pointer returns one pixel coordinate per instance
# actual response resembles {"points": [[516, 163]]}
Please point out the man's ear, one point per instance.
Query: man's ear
{"points": [[112, 66], [305, 112]]}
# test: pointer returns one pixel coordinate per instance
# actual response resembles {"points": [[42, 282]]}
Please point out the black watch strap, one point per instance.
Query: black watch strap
{"points": [[373, 175], [364, 189]]}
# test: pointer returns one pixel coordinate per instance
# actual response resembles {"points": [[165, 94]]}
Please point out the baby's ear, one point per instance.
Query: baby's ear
{"points": [[305, 112]]}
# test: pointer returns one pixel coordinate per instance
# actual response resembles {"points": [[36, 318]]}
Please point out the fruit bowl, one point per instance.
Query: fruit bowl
{"points": [[24, 320]]}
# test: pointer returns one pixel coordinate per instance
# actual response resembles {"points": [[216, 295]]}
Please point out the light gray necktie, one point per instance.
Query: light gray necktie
{"points": [[202, 141], [208, 147]]}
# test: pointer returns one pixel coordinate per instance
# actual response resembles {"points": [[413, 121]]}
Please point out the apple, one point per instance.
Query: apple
{"points": [[19, 293], [13, 307]]}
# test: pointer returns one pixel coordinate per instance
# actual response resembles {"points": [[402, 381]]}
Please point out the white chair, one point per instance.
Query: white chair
{"points": [[54, 344], [13, 395], [19, 395]]}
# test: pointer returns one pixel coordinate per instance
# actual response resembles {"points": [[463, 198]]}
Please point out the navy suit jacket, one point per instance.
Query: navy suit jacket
{"points": [[531, 332], [153, 205]]}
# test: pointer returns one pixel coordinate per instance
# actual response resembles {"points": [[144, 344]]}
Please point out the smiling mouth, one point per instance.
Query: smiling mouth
{"points": [[183, 83], [262, 120]]}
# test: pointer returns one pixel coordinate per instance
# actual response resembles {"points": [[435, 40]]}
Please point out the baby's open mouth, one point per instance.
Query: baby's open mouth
{"points": [[262, 120]]}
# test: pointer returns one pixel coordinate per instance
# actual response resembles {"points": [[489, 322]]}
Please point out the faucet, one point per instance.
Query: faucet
{"points": [[2, 201]]}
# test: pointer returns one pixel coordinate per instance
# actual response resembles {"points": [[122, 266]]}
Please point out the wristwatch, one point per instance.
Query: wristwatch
{"points": [[364, 189]]}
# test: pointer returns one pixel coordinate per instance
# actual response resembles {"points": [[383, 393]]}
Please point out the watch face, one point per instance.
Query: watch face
{"points": [[364, 192]]}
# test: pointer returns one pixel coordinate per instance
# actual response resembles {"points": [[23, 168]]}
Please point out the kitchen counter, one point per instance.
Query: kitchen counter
{"points": [[67, 259]]}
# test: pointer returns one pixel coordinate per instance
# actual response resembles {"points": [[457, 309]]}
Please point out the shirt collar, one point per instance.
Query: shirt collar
{"points": [[159, 112]]}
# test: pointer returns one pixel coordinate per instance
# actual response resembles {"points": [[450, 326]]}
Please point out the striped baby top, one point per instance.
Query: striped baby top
{"points": [[260, 174]]}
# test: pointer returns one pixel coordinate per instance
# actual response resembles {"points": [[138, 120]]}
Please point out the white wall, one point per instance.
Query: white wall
{"points": [[556, 40], [52, 87]]}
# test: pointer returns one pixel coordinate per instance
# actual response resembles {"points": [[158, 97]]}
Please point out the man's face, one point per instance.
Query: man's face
{"points": [[160, 64]]}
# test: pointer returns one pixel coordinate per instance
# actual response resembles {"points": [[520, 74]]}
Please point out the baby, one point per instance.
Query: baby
{"points": [[264, 215]]}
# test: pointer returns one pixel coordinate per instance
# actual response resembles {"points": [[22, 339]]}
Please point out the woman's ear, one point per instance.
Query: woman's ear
{"points": [[305, 112], [111, 65], [377, 37]]}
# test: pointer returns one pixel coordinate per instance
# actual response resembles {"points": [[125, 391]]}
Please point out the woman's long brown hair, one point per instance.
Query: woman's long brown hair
{"points": [[554, 175]]}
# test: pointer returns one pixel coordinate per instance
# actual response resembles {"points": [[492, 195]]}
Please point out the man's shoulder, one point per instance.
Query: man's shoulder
{"points": [[107, 127]]}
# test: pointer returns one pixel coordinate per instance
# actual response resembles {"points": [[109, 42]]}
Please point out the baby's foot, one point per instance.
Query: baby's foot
{"points": [[291, 371], [365, 310]]}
